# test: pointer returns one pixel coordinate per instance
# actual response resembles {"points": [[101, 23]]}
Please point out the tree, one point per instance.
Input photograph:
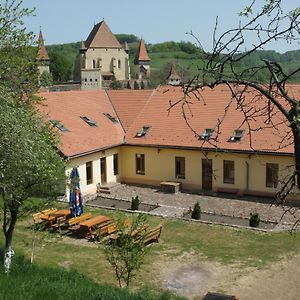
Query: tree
{"points": [[60, 67], [46, 79], [259, 27], [28, 154], [125, 253]]}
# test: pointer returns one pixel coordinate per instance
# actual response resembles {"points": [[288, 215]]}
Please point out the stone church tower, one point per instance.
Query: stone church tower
{"points": [[42, 58], [102, 59], [142, 62]]}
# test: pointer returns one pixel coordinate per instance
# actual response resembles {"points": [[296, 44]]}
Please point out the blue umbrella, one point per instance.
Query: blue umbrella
{"points": [[76, 201]]}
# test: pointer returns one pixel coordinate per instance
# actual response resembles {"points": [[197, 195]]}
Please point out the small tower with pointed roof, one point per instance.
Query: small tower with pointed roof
{"points": [[173, 78], [103, 59], [42, 58], [142, 62]]}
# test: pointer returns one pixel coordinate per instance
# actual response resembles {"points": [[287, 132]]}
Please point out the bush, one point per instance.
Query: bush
{"points": [[135, 203], [254, 220], [116, 85], [196, 213]]}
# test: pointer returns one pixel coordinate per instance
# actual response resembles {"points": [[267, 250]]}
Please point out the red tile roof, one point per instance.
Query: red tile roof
{"points": [[42, 51], [67, 107], [138, 108], [169, 128], [128, 104], [141, 53], [101, 37]]}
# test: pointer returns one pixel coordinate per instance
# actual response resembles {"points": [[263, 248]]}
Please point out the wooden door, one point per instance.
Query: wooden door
{"points": [[207, 174], [103, 170]]}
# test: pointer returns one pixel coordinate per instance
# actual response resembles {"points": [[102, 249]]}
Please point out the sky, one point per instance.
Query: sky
{"points": [[65, 21]]}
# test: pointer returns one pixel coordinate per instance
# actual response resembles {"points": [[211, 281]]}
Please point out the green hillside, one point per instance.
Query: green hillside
{"points": [[187, 57]]}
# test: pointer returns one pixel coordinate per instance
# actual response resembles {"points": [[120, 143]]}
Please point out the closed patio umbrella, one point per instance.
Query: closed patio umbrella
{"points": [[76, 201]]}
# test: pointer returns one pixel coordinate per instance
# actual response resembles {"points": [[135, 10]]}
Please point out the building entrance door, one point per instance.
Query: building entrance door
{"points": [[207, 174], [103, 170]]}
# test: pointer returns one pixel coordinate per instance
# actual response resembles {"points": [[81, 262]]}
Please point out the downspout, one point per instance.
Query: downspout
{"points": [[247, 176]]}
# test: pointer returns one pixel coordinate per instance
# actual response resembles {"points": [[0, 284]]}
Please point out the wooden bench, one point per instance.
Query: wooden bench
{"points": [[151, 236], [51, 218], [170, 187], [104, 229], [89, 226], [37, 217], [74, 223]]}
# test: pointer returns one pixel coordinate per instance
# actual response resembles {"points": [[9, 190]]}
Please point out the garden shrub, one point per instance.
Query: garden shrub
{"points": [[196, 213], [254, 220], [135, 202]]}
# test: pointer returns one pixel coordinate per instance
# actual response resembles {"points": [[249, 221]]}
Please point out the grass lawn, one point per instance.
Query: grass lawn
{"points": [[228, 246]]}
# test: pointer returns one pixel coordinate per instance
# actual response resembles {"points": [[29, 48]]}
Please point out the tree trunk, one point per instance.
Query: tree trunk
{"points": [[296, 133], [8, 232]]}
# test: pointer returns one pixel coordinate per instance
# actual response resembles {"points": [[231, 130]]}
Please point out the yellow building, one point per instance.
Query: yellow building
{"points": [[203, 142]]}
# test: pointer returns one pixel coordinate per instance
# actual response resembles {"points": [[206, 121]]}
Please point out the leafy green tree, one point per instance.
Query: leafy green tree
{"points": [[28, 153], [126, 253], [129, 38], [46, 79], [60, 67]]}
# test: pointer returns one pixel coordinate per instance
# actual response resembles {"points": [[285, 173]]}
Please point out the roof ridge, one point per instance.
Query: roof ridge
{"points": [[114, 109], [142, 110]]}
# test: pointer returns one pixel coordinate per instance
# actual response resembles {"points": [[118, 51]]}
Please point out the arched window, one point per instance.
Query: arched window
{"points": [[119, 63], [94, 64]]}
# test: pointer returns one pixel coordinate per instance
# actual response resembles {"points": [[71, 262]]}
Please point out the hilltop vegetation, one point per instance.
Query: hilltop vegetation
{"points": [[188, 58]]}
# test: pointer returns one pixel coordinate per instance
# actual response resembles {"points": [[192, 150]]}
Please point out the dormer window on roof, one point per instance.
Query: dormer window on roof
{"points": [[237, 135], [110, 117], [143, 132], [92, 123], [207, 134], [59, 125]]}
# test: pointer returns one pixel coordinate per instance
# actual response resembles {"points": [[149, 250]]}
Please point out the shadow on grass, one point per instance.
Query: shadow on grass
{"points": [[27, 281]]}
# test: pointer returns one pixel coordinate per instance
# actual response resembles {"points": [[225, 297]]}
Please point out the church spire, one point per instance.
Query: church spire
{"points": [[42, 51], [141, 54]]}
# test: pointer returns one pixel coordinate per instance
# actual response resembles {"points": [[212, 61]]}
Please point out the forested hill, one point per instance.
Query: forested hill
{"points": [[188, 58]]}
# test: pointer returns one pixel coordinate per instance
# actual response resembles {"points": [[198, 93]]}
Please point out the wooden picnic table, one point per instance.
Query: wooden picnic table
{"points": [[86, 227], [51, 218]]}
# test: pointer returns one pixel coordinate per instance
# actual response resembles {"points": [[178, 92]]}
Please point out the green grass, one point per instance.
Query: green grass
{"points": [[39, 282], [229, 246]]}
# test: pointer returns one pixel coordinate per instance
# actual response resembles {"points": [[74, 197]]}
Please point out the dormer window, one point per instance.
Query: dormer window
{"points": [[143, 132], [207, 134], [110, 117], [59, 125], [237, 135], [92, 123]]}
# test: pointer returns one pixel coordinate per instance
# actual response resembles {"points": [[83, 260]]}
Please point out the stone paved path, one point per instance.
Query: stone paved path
{"points": [[174, 204]]}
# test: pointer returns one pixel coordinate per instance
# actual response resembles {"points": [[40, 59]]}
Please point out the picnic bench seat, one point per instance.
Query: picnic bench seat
{"points": [[150, 236], [104, 229], [37, 217], [74, 223]]}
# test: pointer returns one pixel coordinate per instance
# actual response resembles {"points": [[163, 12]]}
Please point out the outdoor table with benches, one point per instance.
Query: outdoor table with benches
{"points": [[53, 216], [87, 227]]}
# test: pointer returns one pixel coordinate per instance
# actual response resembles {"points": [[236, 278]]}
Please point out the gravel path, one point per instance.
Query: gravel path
{"points": [[238, 207]]}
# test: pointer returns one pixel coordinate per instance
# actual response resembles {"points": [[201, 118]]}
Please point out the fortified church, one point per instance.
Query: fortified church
{"points": [[104, 60]]}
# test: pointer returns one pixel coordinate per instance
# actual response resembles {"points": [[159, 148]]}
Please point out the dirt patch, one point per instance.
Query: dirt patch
{"points": [[279, 281], [190, 277]]}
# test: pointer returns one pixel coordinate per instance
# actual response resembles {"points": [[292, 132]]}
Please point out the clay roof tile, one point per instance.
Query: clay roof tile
{"points": [[102, 37]]}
